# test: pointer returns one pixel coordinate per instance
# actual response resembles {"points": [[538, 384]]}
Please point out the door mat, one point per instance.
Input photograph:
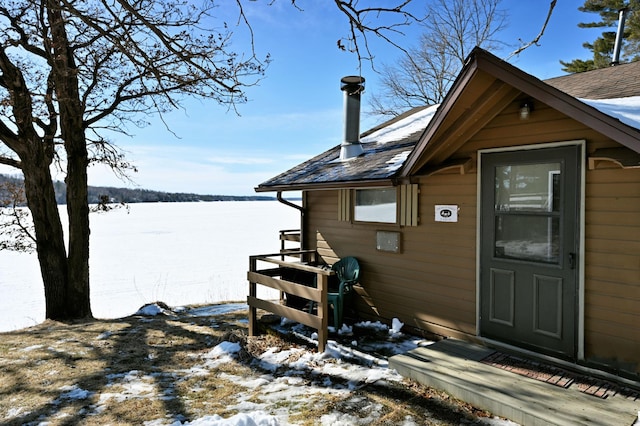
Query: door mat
{"points": [[559, 377]]}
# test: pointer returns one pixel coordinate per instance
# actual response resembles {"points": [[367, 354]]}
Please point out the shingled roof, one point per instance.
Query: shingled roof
{"points": [[385, 149], [395, 150], [618, 81]]}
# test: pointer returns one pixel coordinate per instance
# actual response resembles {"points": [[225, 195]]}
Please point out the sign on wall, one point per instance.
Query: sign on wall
{"points": [[446, 213]]}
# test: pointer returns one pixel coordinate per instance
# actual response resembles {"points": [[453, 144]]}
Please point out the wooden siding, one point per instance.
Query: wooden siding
{"points": [[612, 267], [431, 284], [408, 208], [612, 232], [545, 125]]}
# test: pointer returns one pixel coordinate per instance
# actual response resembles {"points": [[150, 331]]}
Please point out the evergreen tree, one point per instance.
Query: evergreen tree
{"points": [[603, 46]]}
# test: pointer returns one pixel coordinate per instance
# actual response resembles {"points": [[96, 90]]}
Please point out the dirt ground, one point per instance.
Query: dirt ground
{"points": [[41, 367]]}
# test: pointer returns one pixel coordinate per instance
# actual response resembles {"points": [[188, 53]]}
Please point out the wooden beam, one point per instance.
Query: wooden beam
{"points": [[323, 312], [622, 156], [253, 314], [302, 266], [296, 289], [317, 294], [284, 311], [462, 165], [484, 109], [313, 321]]}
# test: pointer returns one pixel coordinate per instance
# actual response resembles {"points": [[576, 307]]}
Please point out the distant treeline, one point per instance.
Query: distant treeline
{"points": [[98, 194]]}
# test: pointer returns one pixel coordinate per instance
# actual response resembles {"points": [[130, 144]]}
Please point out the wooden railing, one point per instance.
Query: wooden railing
{"points": [[289, 235], [311, 292]]}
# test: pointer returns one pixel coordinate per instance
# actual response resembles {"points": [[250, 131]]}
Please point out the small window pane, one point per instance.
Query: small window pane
{"points": [[376, 205], [529, 187], [526, 237]]}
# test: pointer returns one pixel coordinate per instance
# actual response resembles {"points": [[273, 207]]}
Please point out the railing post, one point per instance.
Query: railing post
{"points": [[323, 311], [282, 244], [253, 316]]}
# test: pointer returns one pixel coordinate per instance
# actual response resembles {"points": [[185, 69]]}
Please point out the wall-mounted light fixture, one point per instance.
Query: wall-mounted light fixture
{"points": [[525, 110]]}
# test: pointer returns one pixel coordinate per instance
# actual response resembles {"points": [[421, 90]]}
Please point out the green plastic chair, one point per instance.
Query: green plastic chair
{"points": [[347, 270]]}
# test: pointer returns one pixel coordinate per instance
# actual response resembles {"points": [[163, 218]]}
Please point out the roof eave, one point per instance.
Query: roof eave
{"points": [[327, 185], [463, 78], [567, 104], [561, 101]]}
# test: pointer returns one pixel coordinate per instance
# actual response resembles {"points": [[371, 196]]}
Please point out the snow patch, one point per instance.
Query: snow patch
{"points": [[32, 348], [397, 161], [243, 419], [221, 354], [402, 128], [104, 336], [74, 392], [151, 310], [213, 310], [627, 110]]}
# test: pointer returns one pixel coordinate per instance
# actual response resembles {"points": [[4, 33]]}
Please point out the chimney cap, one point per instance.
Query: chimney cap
{"points": [[351, 82]]}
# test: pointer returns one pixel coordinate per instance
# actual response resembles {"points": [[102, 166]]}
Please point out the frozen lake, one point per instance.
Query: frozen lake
{"points": [[178, 253]]}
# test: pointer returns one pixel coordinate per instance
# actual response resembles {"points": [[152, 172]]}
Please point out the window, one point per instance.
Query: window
{"points": [[397, 205], [376, 205], [527, 212]]}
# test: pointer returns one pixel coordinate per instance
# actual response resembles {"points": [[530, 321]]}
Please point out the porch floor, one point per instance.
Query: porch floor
{"points": [[455, 367]]}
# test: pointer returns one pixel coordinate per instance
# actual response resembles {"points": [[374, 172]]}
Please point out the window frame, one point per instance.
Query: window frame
{"points": [[407, 205], [395, 204]]}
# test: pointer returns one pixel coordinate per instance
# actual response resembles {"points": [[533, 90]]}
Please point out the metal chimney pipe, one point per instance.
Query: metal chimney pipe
{"points": [[617, 47], [352, 86]]}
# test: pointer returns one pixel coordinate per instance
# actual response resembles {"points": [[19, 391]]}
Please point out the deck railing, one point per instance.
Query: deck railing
{"points": [[289, 235], [272, 277]]}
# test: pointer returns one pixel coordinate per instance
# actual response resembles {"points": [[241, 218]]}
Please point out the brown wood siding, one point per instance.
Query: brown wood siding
{"points": [[431, 283], [612, 231], [612, 267], [545, 125]]}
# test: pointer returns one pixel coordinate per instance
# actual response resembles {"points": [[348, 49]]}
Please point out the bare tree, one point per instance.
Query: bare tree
{"points": [[425, 73], [69, 70], [15, 221]]}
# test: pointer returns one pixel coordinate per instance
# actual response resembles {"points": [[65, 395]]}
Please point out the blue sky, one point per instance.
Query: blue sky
{"points": [[296, 110]]}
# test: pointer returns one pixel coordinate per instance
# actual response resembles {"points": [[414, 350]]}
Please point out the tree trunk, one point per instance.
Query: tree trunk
{"points": [[78, 210], [71, 115], [50, 237]]}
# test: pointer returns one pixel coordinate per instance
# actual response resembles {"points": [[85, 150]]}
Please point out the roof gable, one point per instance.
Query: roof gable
{"points": [[485, 86]]}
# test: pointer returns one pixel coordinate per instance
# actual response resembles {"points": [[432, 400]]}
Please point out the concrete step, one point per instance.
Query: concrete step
{"points": [[454, 366]]}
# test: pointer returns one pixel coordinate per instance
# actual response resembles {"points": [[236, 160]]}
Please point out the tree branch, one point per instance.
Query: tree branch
{"points": [[538, 37], [10, 162], [359, 27]]}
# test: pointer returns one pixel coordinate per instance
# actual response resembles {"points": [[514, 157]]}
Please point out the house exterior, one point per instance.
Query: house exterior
{"points": [[508, 215]]}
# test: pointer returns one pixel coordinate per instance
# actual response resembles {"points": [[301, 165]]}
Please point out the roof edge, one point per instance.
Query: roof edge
{"points": [[480, 59], [326, 185]]}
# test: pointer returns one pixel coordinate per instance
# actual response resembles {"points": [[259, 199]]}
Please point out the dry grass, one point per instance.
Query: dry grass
{"points": [[160, 357]]}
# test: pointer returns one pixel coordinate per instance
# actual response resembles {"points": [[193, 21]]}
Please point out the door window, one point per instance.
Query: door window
{"points": [[527, 212]]}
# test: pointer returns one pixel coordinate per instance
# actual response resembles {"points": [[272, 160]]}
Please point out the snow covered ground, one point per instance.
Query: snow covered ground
{"points": [[178, 253], [280, 375], [197, 253]]}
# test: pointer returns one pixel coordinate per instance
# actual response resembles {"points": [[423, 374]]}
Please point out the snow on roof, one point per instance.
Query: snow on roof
{"points": [[627, 110], [403, 128], [397, 161]]}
